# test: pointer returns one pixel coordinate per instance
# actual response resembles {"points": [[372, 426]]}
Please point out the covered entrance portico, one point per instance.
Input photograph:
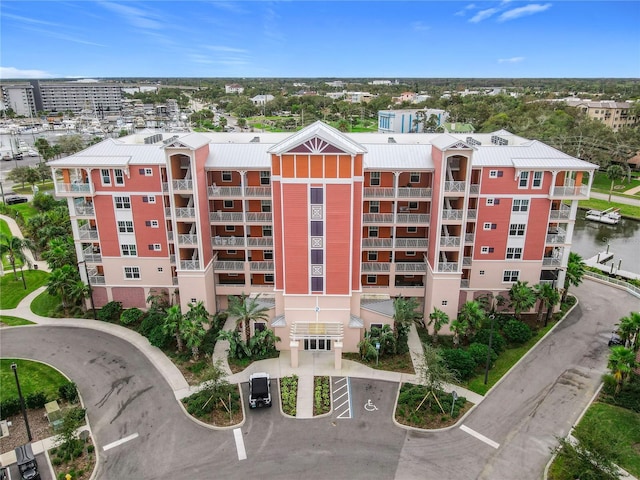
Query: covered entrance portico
{"points": [[317, 336]]}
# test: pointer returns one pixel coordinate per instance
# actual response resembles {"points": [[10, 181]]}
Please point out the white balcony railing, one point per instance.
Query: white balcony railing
{"points": [[218, 241], [452, 214], [472, 214], [468, 237], [414, 218], [85, 233], [376, 267], [557, 237], [569, 191], [85, 209], [74, 187], [172, 259], [257, 191], [91, 256], [260, 241], [562, 213], [551, 262], [411, 267], [225, 216], [187, 239], [260, 217], [451, 186], [170, 236], [182, 184], [449, 241], [261, 266], [377, 242], [377, 218], [165, 186], [233, 266], [185, 212], [225, 191], [464, 283], [189, 264], [97, 280], [411, 243], [411, 192], [378, 192], [447, 266], [466, 261], [474, 189]]}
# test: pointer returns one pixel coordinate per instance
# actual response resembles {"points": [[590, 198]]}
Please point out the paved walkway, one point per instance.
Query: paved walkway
{"points": [[616, 198], [16, 232]]}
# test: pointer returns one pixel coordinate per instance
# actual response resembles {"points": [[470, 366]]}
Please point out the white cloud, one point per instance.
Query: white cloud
{"points": [[419, 26], [135, 16], [511, 60], [523, 11], [12, 72], [222, 48], [463, 12], [483, 15], [22, 19]]}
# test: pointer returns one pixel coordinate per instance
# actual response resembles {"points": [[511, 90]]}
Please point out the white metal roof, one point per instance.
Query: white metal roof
{"points": [[406, 157]]}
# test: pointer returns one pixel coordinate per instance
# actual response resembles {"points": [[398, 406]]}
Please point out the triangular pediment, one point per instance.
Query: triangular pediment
{"points": [[447, 141], [318, 138], [177, 145]]}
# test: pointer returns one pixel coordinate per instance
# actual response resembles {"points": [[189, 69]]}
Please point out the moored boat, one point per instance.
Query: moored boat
{"points": [[610, 216]]}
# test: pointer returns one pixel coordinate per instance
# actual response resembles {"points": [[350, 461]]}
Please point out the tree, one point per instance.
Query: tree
{"points": [[61, 252], [67, 440], [473, 315], [247, 310], [173, 325], [263, 342], [614, 172], [548, 296], [70, 144], [22, 175], [193, 333], [198, 313], [237, 348], [14, 248], [629, 330], [61, 282], [522, 298], [434, 373], [438, 319], [404, 314], [459, 327], [574, 273], [622, 361]]}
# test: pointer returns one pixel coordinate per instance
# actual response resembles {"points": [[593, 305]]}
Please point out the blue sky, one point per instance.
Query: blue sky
{"points": [[381, 39]]}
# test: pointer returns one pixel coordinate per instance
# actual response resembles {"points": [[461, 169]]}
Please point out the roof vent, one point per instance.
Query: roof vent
{"points": [[391, 140], [255, 140]]}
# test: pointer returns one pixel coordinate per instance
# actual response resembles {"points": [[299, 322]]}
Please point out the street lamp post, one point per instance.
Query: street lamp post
{"points": [[14, 367], [486, 370], [86, 271]]}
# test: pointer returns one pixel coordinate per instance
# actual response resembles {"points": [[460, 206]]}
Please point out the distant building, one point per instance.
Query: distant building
{"points": [[380, 82], [335, 84], [614, 115], [408, 120], [358, 97], [234, 88], [76, 96], [261, 99], [20, 98], [458, 127]]}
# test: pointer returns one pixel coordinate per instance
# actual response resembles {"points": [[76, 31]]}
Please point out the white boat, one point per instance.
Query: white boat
{"points": [[610, 216]]}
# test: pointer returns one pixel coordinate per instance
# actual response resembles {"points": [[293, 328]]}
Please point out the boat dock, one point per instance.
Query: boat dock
{"points": [[600, 261]]}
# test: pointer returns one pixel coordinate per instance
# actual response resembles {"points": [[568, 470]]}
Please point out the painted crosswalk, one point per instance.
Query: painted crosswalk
{"points": [[341, 394]]}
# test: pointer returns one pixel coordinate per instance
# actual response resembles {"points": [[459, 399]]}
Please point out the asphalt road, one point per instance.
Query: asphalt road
{"points": [[126, 396]]}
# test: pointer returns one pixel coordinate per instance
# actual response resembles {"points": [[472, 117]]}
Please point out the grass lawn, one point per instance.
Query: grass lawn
{"points": [[43, 187], [4, 227], [13, 290], [46, 305], [14, 321], [27, 210], [34, 377], [393, 363], [602, 184], [626, 210]]}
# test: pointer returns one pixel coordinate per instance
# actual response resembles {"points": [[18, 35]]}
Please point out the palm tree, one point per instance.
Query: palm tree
{"points": [[14, 248], [198, 313], [237, 348], [404, 314], [622, 361], [473, 315], [614, 172], [548, 296], [522, 298], [459, 327], [78, 291], [62, 282], [60, 252], [173, 324], [247, 310], [193, 333], [574, 273], [438, 318], [629, 330]]}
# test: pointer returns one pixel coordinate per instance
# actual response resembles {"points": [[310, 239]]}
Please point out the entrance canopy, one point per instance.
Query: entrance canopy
{"points": [[306, 330]]}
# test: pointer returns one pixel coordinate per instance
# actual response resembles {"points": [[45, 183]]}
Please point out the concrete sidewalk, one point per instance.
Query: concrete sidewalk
{"points": [[16, 232]]}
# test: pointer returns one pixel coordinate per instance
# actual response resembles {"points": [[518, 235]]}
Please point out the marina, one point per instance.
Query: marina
{"points": [[610, 216]]}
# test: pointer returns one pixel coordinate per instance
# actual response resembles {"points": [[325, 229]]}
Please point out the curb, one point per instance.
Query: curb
{"points": [[214, 427]]}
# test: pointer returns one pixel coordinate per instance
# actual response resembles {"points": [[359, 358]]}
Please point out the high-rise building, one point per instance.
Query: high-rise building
{"points": [[328, 227]]}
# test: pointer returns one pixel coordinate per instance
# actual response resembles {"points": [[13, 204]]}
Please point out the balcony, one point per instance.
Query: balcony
{"points": [[377, 243], [450, 186], [174, 280], [84, 210], [187, 239], [412, 192], [466, 261], [414, 218], [411, 267], [563, 213], [172, 259], [474, 189], [452, 214], [464, 283], [557, 236], [378, 192], [225, 191], [448, 267], [377, 218], [472, 214], [92, 256], [189, 264], [97, 280], [468, 238], [551, 262], [580, 192], [185, 212], [182, 185], [259, 217], [225, 217], [375, 267], [260, 241], [450, 241], [170, 235], [412, 243], [87, 233], [73, 188], [165, 187], [261, 266], [230, 266], [219, 241], [258, 192]]}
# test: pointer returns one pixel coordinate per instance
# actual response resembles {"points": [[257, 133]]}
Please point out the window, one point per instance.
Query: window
{"points": [[520, 205], [106, 177], [194, 301], [128, 250], [132, 273], [486, 226], [412, 229], [374, 179], [226, 176], [414, 177], [372, 256], [490, 202], [228, 203], [160, 269], [148, 172], [372, 279], [374, 207], [119, 176], [481, 273], [517, 229], [229, 228], [231, 252], [444, 302], [524, 180], [317, 257], [537, 180], [123, 202], [268, 278], [509, 276], [125, 226], [485, 250], [266, 231], [268, 254], [493, 174], [373, 232], [410, 254], [149, 199], [316, 229], [514, 253], [317, 284], [265, 205], [156, 247], [413, 205], [154, 223], [265, 177], [317, 196]]}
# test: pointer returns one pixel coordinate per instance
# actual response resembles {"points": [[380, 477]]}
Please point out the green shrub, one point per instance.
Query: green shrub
{"points": [[158, 338], [209, 340], [57, 461], [479, 353], [150, 320], [517, 331], [498, 343], [90, 449], [9, 407], [110, 312], [130, 316], [68, 392], [629, 395], [44, 202], [35, 399], [460, 361]]}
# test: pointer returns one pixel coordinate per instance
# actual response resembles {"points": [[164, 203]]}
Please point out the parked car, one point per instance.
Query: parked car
{"points": [[14, 200], [615, 340], [27, 465], [259, 390], [32, 153]]}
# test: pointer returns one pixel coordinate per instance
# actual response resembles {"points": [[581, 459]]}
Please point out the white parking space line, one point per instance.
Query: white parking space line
{"points": [[344, 408], [479, 436], [242, 453], [119, 442]]}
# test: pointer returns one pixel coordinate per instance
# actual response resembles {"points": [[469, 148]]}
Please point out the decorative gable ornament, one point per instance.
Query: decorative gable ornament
{"points": [[177, 145]]}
